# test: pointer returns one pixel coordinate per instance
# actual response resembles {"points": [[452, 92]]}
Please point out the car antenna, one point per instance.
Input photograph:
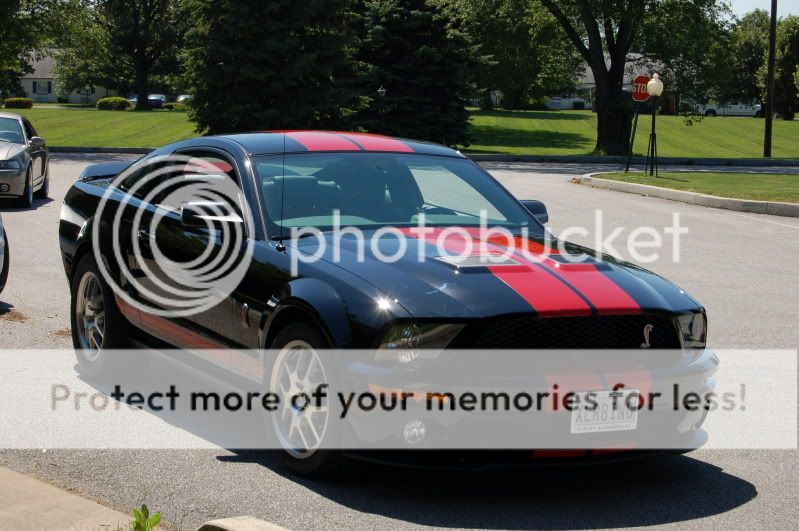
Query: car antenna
{"points": [[281, 247]]}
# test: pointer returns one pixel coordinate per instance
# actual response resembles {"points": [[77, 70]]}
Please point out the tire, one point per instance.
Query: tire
{"points": [[93, 346], [44, 191], [6, 263], [317, 463], [710, 113], [26, 199]]}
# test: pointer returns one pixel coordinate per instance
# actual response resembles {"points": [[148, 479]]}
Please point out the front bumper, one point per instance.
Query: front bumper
{"points": [[12, 183], [661, 427]]}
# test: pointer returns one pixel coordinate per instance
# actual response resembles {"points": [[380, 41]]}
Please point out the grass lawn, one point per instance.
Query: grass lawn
{"points": [[574, 133], [84, 127], [511, 132], [759, 186]]}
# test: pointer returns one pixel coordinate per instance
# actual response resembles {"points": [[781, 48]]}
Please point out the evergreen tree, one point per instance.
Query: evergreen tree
{"points": [[274, 64], [418, 51]]}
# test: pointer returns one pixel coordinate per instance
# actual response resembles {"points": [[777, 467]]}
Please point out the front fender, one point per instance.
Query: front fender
{"points": [[318, 301]]}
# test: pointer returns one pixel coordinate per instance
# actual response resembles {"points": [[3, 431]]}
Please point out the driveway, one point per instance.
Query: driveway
{"points": [[741, 266]]}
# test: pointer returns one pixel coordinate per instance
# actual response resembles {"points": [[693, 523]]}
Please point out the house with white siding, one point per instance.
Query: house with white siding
{"points": [[41, 85]]}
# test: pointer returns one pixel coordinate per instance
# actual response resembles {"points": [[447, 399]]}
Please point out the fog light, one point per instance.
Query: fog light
{"points": [[4, 188], [414, 431]]}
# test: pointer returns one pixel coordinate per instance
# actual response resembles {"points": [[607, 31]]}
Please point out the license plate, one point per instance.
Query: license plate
{"points": [[605, 417]]}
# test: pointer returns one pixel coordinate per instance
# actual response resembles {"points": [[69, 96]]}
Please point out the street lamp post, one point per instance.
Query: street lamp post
{"points": [[654, 88], [382, 93]]}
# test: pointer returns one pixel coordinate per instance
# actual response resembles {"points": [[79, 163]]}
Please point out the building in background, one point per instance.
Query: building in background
{"points": [[41, 86]]}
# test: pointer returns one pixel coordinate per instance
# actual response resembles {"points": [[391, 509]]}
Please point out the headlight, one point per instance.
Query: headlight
{"points": [[405, 343], [693, 329], [10, 165]]}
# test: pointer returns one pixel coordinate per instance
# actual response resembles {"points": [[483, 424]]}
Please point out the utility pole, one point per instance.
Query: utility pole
{"points": [[772, 51]]}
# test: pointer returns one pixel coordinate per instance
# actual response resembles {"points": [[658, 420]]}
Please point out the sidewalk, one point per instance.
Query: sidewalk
{"points": [[29, 504]]}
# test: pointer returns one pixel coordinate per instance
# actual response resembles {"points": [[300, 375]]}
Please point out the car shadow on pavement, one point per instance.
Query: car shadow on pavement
{"points": [[658, 490], [11, 205]]}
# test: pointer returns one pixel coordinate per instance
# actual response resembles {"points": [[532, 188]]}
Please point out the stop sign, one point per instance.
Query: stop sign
{"points": [[639, 88]]}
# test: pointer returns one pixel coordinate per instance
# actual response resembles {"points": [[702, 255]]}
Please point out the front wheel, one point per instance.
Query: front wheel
{"points": [[26, 200], [98, 327], [6, 263], [44, 191], [296, 366]]}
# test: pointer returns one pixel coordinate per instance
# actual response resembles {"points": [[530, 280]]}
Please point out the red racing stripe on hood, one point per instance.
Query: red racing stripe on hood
{"points": [[548, 295], [605, 295]]}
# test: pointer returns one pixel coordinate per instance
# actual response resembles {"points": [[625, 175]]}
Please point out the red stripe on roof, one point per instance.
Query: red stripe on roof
{"points": [[321, 141], [378, 142]]}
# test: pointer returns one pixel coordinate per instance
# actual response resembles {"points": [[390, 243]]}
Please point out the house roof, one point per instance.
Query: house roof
{"points": [[636, 65], [42, 69]]}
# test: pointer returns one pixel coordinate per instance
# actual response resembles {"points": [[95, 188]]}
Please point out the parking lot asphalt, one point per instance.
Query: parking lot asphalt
{"points": [[743, 267]]}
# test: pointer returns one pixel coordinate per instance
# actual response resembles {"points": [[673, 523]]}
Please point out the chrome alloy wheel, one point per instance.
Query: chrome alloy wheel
{"points": [[300, 426], [90, 316]]}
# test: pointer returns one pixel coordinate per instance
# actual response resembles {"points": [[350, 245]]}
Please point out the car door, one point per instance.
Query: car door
{"points": [[179, 249]]}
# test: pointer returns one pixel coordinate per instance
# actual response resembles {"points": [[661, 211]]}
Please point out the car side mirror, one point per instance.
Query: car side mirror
{"points": [[537, 209], [37, 140], [205, 213]]}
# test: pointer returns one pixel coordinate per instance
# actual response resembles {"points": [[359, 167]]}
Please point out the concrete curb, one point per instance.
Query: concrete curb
{"points": [[740, 205], [117, 151], [592, 159], [240, 523]]}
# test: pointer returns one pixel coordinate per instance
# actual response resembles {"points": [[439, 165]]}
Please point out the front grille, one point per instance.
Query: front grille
{"points": [[597, 332]]}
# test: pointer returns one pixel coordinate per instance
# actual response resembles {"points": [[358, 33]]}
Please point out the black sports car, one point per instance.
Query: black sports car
{"points": [[349, 296]]}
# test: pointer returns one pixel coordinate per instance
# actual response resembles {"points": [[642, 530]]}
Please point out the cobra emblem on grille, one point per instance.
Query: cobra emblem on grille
{"points": [[647, 333]]}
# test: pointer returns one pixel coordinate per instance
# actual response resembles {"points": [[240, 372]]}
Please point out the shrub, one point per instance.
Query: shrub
{"points": [[18, 103], [175, 106], [578, 105], [114, 103]]}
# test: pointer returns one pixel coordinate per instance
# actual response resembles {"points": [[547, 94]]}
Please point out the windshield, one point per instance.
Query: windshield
{"points": [[11, 131], [373, 190]]}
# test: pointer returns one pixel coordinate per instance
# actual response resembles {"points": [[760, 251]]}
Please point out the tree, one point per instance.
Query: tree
{"points": [[277, 64], [749, 45], [689, 41], [24, 27], [786, 95], [604, 31], [82, 57], [528, 55], [421, 54]]}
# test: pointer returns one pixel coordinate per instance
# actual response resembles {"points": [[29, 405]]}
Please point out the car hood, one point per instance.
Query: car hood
{"points": [[549, 284], [9, 150]]}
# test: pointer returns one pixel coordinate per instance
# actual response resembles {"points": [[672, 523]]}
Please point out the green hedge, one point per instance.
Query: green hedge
{"points": [[114, 103], [175, 106], [18, 103]]}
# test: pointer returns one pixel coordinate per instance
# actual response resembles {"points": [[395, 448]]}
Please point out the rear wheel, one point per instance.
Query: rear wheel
{"points": [[296, 366], [98, 327]]}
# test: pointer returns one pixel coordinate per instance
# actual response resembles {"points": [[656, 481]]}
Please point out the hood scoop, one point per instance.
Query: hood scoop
{"points": [[478, 260]]}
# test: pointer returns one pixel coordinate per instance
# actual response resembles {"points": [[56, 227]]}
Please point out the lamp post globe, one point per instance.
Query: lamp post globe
{"points": [[655, 86]]}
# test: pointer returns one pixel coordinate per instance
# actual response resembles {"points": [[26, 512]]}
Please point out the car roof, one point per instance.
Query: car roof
{"points": [[10, 115], [277, 142]]}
